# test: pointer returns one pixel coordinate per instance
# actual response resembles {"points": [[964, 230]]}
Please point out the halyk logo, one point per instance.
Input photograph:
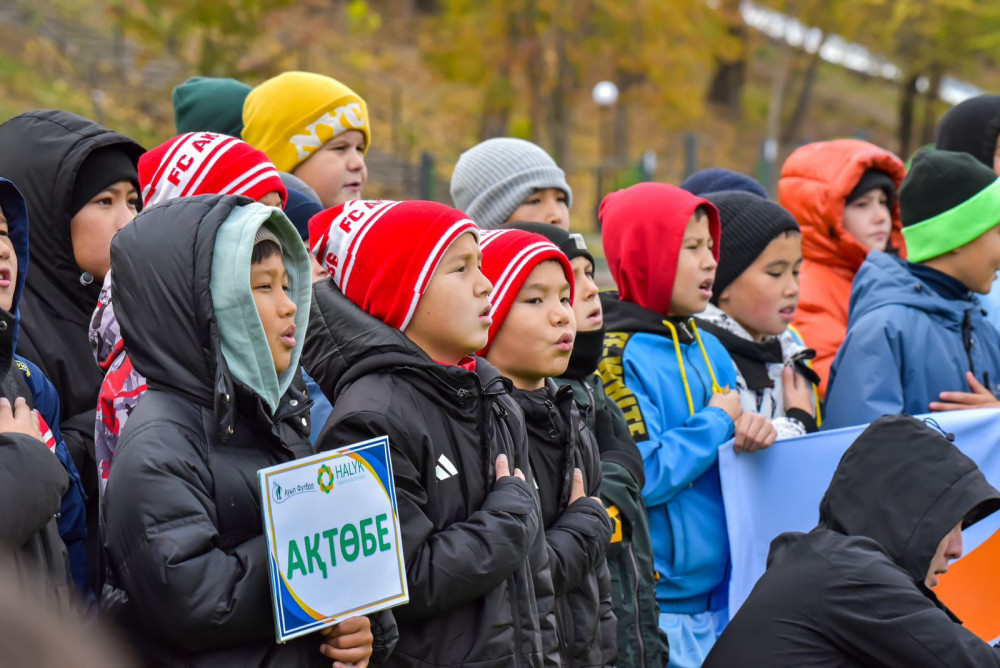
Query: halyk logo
{"points": [[325, 472]]}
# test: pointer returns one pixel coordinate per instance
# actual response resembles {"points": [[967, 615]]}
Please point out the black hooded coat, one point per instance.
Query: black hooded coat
{"points": [[188, 573], [851, 592]]}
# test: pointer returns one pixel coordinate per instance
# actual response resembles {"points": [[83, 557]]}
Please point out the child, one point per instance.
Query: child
{"points": [[630, 554], [212, 294], [843, 194], [209, 104], [670, 380], [401, 365], [506, 180], [754, 297], [21, 378], [314, 127], [530, 341], [717, 180], [973, 127], [196, 163], [916, 329], [80, 185]]}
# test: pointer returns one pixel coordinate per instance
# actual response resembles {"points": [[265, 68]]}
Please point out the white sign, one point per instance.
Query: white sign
{"points": [[333, 538]]}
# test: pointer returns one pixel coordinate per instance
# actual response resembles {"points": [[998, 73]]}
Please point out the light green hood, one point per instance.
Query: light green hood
{"points": [[244, 344]]}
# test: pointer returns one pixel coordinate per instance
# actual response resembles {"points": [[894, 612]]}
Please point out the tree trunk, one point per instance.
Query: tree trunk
{"points": [[779, 86], [726, 88], [793, 128], [929, 131], [907, 105]]}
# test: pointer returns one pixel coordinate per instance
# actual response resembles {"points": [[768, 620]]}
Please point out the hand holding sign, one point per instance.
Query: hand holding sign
{"points": [[348, 643]]}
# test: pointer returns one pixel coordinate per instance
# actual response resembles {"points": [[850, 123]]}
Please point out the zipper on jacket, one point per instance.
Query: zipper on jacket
{"points": [[967, 340], [635, 606]]}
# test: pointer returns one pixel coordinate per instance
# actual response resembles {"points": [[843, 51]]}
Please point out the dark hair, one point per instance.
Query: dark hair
{"points": [[264, 249]]}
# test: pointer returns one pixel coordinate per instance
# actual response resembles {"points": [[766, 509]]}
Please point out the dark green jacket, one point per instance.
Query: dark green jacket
{"points": [[630, 555]]}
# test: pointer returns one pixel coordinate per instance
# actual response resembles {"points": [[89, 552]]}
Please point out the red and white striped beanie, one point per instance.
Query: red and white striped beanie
{"points": [[382, 254], [200, 163], [509, 257]]}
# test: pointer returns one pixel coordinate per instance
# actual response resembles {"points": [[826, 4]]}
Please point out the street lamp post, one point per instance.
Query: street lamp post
{"points": [[605, 95]]}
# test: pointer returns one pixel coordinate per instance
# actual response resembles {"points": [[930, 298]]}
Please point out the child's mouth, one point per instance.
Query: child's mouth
{"points": [[787, 314], [288, 337], [485, 317], [596, 317], [565, 342], [5, 277], [705, 287]]}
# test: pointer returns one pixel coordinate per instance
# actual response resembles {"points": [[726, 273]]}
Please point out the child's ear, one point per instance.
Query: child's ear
{"points": [[723, 297]]}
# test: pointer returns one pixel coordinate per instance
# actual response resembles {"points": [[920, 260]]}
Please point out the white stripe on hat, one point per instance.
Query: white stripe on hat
{"points": [[219, 151], [514, 268], [251, 177], [359, 236], [434, 258], [341, 243]]}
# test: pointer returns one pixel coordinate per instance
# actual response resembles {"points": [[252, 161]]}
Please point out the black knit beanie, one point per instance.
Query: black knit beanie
{"points": [[872, 179], [571, 244], [971, 127], [947, 200], [102, 168], [749, 224]]}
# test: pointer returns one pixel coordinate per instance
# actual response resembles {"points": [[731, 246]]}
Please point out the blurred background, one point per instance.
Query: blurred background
{"points": [[617, 91]]}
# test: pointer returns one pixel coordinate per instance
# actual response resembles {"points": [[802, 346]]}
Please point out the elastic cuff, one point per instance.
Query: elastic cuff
{"points": [[808, 421]]}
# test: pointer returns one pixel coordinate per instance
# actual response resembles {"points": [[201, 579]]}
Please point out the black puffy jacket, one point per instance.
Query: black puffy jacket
{"points": [[41, 152], [476, 561], [188, 573], [851, 592], [577, 534]]}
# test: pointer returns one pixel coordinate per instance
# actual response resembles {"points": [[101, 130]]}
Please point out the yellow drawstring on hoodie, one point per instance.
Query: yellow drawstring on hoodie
{"points": [[716, 389]]}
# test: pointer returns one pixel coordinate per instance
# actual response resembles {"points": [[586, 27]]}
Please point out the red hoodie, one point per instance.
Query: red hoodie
{"points": [[642, 228]]}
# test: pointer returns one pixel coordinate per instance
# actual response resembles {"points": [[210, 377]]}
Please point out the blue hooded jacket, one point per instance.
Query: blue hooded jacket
{"points": [[662, 375], [905, 344], [72, 520]]}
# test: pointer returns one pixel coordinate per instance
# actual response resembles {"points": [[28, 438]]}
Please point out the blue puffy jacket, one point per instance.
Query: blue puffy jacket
{"points": [[905, 345], [662, 374]]}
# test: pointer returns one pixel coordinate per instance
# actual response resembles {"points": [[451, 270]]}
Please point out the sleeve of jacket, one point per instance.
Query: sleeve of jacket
{"points": [[161, 539], [463, 561], [385, 635], [32, 483], [878, 616], [865, 381], [609, 623], [673, 455]]}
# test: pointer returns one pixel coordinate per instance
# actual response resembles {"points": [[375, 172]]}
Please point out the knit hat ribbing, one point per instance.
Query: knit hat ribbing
{"points": [[717, 179], [571, 243], [494, 177], [749, 224], [264, 233], [382, 254], [200, 163], [947, 200], [509, 257], [292, 115], [208, 104]]}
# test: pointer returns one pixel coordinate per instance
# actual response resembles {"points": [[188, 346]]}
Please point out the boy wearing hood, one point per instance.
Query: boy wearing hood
{"points": [[530, 342], [630, 554], [392, 337], [843, 195], [212, 295], [857, 589], [673, 384], [23, 378], [917, 330]]}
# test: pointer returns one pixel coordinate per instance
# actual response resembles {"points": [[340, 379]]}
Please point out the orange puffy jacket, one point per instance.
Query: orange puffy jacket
{"points": [[815, 182]]}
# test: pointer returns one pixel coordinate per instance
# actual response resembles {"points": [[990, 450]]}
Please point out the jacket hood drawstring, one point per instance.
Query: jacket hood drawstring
{"points": [[716, 388]]}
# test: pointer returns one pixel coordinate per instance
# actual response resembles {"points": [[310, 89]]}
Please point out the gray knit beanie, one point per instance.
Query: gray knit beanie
{"points": [[494, 177]]}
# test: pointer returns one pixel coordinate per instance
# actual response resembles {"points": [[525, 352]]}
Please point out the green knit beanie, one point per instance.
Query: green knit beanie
{"points": [[947, 200], [208, 104]]}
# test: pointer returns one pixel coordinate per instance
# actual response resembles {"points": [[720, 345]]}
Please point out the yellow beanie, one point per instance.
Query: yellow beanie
{"points": [[290, 116]]}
